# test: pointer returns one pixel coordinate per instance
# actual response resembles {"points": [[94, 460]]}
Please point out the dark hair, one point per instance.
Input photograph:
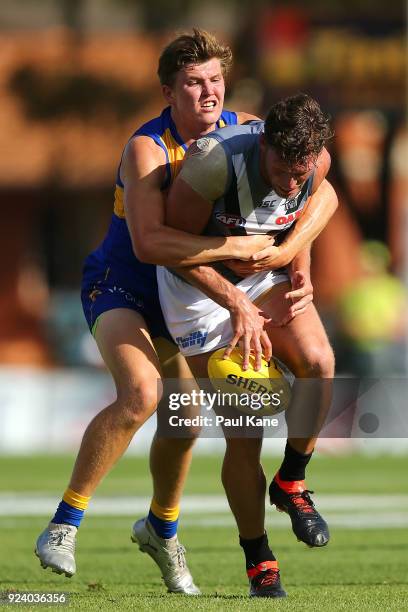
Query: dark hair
{"points": [[187, 49], [297, 128]]}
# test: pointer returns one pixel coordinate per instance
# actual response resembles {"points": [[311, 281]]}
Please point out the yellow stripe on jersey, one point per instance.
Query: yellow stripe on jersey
{"points": [[175, 152], [119, 206]]}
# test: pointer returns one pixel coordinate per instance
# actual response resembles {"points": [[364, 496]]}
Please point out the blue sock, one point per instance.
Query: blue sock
{"points": [[68, 514], [164, 529]]}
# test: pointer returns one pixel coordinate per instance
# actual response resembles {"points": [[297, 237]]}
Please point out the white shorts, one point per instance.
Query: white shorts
{"points": [[196, 323]]}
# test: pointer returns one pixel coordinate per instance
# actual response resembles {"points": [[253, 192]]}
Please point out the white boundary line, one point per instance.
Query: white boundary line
{"points": [[347, 511]]}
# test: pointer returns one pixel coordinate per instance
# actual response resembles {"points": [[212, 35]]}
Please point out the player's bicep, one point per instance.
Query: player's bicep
{"points": [[186, 209], [143, 170], [320, 207], [322, 168]]}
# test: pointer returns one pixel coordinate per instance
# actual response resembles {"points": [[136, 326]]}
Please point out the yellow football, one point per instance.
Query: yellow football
{"points": [[265, 392]]}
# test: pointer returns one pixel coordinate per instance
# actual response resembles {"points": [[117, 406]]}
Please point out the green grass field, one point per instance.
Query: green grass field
{"points": [[364, 568]]}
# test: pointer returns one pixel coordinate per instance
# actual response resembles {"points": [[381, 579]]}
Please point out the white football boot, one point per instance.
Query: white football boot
{"points": [[55, 548], [169, 556]]}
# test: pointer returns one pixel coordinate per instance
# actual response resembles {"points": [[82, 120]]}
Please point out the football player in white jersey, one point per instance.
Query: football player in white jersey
{"points": [[256, 179]]}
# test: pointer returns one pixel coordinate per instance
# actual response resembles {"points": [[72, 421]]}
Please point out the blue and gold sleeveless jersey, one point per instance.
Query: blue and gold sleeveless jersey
{"points": [[164, 133], [114, 261]]}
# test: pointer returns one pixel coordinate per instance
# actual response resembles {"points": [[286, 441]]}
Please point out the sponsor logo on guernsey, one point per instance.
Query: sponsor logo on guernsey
{"points": [[291, 205], [285, 219], [230, 220], [196, 337], [203, 143], [268, 202]]}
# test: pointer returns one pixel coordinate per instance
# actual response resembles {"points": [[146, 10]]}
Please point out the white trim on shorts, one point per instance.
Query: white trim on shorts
{"points": [[196, 323]]}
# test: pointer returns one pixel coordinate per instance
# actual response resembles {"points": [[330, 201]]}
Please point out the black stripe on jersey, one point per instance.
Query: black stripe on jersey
{"points": [[306, 188], [294, 203], [303, 195]]}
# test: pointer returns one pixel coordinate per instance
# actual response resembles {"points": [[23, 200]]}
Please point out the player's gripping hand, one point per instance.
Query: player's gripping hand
{"points": [[245, 247], [299, 297], [248, 325], [244, 268], [270, 258]]}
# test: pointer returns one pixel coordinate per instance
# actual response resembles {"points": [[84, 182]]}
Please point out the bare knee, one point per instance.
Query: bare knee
{"points": [[136, 402], [317, 361], [183, 425]]}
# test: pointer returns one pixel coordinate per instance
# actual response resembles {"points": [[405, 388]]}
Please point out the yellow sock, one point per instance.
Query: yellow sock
{"points": [[76, 500], [164, 513]]}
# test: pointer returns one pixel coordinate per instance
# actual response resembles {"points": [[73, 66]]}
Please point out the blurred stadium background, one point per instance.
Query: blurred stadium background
{"points": [[76, 78]]}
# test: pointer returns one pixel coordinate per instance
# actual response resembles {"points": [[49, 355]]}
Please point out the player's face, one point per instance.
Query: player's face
{"points": [[286, 179], [197, 95]]}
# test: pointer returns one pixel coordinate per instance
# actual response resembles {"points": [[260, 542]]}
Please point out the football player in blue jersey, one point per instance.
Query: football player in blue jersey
{"points": [[263, 175], [121, 305]]}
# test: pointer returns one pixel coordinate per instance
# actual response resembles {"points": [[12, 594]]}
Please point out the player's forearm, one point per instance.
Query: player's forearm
{"points": [[319, 211], [213, 284], [301, 262], [166, 246]]}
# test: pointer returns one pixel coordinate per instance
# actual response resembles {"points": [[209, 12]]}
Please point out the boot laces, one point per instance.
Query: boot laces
{"points": [[178, 557], [61, 540], [268, 577], [304, 502]]}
